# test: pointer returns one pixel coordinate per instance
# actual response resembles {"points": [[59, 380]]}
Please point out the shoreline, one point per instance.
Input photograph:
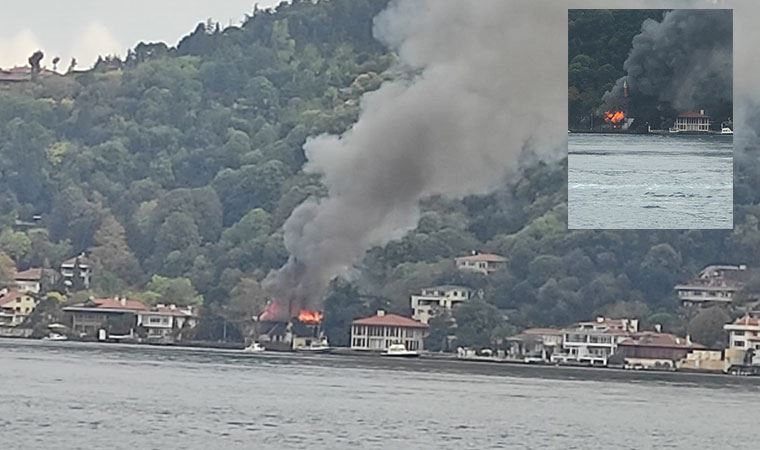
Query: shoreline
{"points": [[348, 358]]}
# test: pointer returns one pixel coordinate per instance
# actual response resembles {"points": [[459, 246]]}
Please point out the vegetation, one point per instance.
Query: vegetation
{"points": [[177, 170]]}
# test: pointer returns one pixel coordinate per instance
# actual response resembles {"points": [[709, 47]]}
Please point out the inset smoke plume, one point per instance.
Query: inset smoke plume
{"points": [[685, 60]]}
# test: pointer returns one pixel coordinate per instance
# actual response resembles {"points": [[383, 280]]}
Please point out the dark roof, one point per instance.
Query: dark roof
{"points": [[482, 257], [693, 114], [661, 340], [390, 320], [32, 274]]}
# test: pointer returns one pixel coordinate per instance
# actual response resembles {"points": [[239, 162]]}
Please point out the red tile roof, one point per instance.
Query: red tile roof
{"points": [[114, 303], [29, 275], [9, 297], [390, 320], [652, 339], [747, 320]]}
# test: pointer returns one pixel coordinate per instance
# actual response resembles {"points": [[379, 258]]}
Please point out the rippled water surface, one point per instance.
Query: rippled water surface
{"points": [[650, 181], [93, 396]]}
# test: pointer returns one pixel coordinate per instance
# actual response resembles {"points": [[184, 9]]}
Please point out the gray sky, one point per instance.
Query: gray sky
{"points": [[87, 28]]}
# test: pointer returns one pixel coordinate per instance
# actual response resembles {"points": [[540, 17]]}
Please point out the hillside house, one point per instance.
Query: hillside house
{"points": [[714, 285], [15, 307], [485, 263], [76, 272], [29, 281], [430, 301]]}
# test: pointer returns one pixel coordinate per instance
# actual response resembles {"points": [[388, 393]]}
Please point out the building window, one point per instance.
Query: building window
{"points": [[738, 333], [738, 343]]}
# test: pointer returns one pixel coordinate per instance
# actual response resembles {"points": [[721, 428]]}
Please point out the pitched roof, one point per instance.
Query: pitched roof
{"points": [[8, 297], [747, 320], [390, 320], [542, 331], [109, 304], [693, 114], [653, 339], [482, 257], [33, 274]]}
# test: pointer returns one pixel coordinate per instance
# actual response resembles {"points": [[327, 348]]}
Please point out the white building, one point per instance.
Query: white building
{"points": [[692, 121], [76, 270], [438, 298], [595, 341], [378, 332], [29, 281], [485, 263], [744, 333], [715, 284], [163, 322]]}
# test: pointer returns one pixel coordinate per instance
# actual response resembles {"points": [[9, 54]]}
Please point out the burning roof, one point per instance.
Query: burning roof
{"points": [[275, 312]]}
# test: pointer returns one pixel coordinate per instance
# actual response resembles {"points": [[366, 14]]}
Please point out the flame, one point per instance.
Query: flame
{"points": [[614, 117], [275, 312], [310, 317]]}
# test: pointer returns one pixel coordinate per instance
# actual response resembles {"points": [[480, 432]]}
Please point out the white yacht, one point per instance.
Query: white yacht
{"points": [[726, 130], [255, 347], [400, 351]]}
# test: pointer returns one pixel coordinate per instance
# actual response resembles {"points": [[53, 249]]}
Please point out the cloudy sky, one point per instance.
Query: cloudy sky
{"points": [[85, 29]]}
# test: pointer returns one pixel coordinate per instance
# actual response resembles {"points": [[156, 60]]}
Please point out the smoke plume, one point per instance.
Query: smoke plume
{"points": [[485, 81], [455, 125], [685, 60]]}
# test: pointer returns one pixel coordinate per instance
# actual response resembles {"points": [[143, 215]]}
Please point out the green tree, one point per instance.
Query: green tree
{"points": [[706, 327], [476, 322]]}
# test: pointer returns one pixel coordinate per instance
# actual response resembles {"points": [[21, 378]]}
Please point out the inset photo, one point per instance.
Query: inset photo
{"points": [[650, 133]]}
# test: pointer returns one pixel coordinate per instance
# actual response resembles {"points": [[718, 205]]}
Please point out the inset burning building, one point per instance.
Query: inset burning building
{"points": [[280, 330]]}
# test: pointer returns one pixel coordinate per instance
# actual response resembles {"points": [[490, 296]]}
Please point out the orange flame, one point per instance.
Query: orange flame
{"points": [[310, 317], [614, 117]]}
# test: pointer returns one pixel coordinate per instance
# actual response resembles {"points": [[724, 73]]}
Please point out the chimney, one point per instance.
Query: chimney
{"points": [[688, 340], [599, 319], [658, 328], [123, 301], [380, 313], [702, 112]]}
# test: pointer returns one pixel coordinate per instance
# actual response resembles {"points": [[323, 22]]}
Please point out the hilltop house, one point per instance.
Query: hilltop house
{"points": [[76, 272], [593, 342], [692, 121], [715, 284], [29, 280], [15, 306], [378, 332], [485, 263], [430, 300]]}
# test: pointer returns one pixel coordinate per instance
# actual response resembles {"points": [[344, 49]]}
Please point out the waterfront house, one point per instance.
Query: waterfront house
{"points": [[378, 332], [539, 343], [485, 263], [117, 316], [651, 349], [593, 342], [430, 301], [165, 323], [744, 333], [692, 121], [714, 285], [15, 307]]}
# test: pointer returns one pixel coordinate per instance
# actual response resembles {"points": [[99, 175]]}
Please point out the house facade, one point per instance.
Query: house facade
{"points": [[117, 316], [593, 342], [540, 343], [29, 281], [692, 121], [485, 263], [15, 307], [378, 332], [714, 285], [650, 349], [76, 272], [431, 300], [166, 323]]}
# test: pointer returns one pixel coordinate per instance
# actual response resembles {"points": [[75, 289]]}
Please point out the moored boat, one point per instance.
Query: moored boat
{"points": [[255, 347], [400, 351]]}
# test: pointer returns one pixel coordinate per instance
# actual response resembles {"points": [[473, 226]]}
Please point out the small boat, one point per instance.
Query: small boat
{"points": [[320, 346], [55, 337], [400, 351], [726, 130], [255, 347]]}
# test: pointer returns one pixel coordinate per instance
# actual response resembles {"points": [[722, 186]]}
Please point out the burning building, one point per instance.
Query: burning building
{"points": [[617, 117], [282, 330]]}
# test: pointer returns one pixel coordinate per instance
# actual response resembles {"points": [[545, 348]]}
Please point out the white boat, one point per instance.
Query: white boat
{"points": [[400, 351], [55, 337], [726, 130], [255, 347], [321, 346]]}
